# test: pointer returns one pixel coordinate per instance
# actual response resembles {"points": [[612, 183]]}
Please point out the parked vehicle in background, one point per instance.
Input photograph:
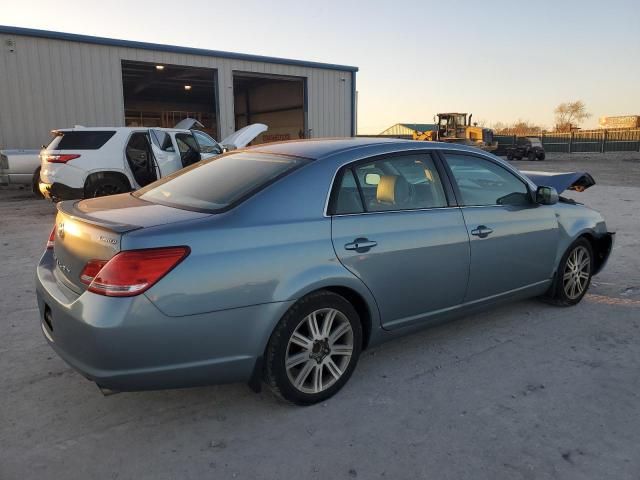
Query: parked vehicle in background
{"points": [[280, 263], [526, 147], [92, 162], [20, 167]]}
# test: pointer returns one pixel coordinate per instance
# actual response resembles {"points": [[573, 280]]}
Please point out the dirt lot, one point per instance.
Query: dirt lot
{"points": [[525, 391]]}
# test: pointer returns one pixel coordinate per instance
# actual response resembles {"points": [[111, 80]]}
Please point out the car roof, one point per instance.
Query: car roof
{"points": [[317, 149], [79, 128]]}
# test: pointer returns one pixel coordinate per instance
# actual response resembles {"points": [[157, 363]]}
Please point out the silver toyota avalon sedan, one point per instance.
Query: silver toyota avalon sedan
{"points": [[281, 263]]}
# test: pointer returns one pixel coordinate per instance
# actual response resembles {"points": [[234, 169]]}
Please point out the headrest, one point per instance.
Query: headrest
{"points": [[392, 189]]}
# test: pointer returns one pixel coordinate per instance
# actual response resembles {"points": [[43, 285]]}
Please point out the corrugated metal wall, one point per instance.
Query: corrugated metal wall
{"points": [[49, 83]]}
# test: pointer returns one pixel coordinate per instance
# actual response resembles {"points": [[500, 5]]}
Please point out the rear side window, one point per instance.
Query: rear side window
{"points": [[221, 182], [407, 182], [89, 140], [347, 198]]}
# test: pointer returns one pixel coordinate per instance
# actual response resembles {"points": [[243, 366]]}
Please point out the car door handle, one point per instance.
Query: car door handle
{"points": [[360, 245], [481, 231]]}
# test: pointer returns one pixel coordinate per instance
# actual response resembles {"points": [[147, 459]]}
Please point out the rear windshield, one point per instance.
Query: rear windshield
{"points": [[90, 140], [221, 182]]}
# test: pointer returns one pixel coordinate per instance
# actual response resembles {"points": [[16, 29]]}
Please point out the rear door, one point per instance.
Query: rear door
{"points": [[513, 240], [394, 227], [140, 158], [166, 156]]}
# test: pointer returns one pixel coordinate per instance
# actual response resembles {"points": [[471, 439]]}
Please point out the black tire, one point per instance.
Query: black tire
{"points": [[518, 157], [510, 156], [106, 185], [276, 374], [541, 156], [531, 156], [35, 184], [557, 293]]}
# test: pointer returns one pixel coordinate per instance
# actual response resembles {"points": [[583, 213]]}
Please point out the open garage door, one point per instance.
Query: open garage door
{"points": [[277, 101], [160, 95]]}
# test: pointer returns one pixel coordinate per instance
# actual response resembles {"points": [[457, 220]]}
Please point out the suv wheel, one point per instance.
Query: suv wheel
{"points": [[509, 156], [531, 156], [541, 156], [313, 349], [106, 185]]}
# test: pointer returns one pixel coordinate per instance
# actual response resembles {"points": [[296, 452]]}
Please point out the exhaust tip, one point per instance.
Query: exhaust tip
{"points": [[107, 391]]}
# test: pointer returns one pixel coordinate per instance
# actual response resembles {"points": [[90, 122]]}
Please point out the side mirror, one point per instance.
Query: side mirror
{"points": [[546, 196]]}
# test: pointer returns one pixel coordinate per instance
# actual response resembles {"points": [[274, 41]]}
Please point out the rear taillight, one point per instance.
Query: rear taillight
{"points": [[131, 272], [90, 270], [52, 238], [58, 158]]}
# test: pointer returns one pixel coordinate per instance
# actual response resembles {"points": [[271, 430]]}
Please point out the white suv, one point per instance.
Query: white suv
{"points": [[84, 162]]}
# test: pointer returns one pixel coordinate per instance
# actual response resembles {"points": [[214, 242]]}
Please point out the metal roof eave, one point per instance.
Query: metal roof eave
{"points": [[73, 37]]}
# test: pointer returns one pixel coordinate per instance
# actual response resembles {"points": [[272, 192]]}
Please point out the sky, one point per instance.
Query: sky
{"points": [[500, 60]]}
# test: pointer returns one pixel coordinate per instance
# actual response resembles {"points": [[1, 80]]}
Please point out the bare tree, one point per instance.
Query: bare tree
{"points": [[520, 128], [569, 115]]}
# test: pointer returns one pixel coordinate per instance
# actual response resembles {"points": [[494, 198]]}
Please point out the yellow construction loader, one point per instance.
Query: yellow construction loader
{"points": [[457, 128]]}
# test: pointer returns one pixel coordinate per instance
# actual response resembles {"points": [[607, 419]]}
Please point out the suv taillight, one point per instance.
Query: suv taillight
{"points": [[62, 158], [131, 272], [52, 238]]}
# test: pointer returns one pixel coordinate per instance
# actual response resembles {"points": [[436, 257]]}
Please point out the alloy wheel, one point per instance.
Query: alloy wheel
{"points": [[319, 350], [577, 272]]}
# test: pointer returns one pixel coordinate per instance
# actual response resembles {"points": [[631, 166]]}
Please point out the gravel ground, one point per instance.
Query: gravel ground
{"points": [[524, 391]]}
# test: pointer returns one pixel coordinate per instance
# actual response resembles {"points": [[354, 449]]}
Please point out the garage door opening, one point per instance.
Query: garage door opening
{"points": [[276, 101], [160, 95]]}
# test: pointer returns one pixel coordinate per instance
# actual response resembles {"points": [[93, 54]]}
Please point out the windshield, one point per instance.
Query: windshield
{"points": [[221, 182]]}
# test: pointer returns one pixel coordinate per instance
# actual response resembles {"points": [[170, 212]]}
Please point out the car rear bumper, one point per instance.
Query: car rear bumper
{"points": [[128, 344], [59, 191]]}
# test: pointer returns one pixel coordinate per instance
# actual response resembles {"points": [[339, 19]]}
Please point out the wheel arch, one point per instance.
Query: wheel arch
{"points": [[601, 245], [344, 284], [101, 174]]}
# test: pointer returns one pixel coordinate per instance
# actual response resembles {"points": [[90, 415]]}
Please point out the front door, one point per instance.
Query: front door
{"points": [[394, 228], [513, 240]]}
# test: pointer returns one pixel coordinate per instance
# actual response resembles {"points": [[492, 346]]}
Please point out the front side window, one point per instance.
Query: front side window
{"points": [[390, 183], [482, 182], [188, 148], [206, 143], [162, 140], [221, 182]]}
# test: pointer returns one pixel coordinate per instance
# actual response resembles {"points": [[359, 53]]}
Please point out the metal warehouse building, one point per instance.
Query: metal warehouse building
{"points": [[54, 80]]}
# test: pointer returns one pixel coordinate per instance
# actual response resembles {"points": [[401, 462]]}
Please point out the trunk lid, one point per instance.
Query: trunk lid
{"points": [[93, 230], [188, 124]]}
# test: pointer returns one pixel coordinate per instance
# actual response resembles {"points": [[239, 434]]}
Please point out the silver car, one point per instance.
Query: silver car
{"points": [[281, 263]]}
